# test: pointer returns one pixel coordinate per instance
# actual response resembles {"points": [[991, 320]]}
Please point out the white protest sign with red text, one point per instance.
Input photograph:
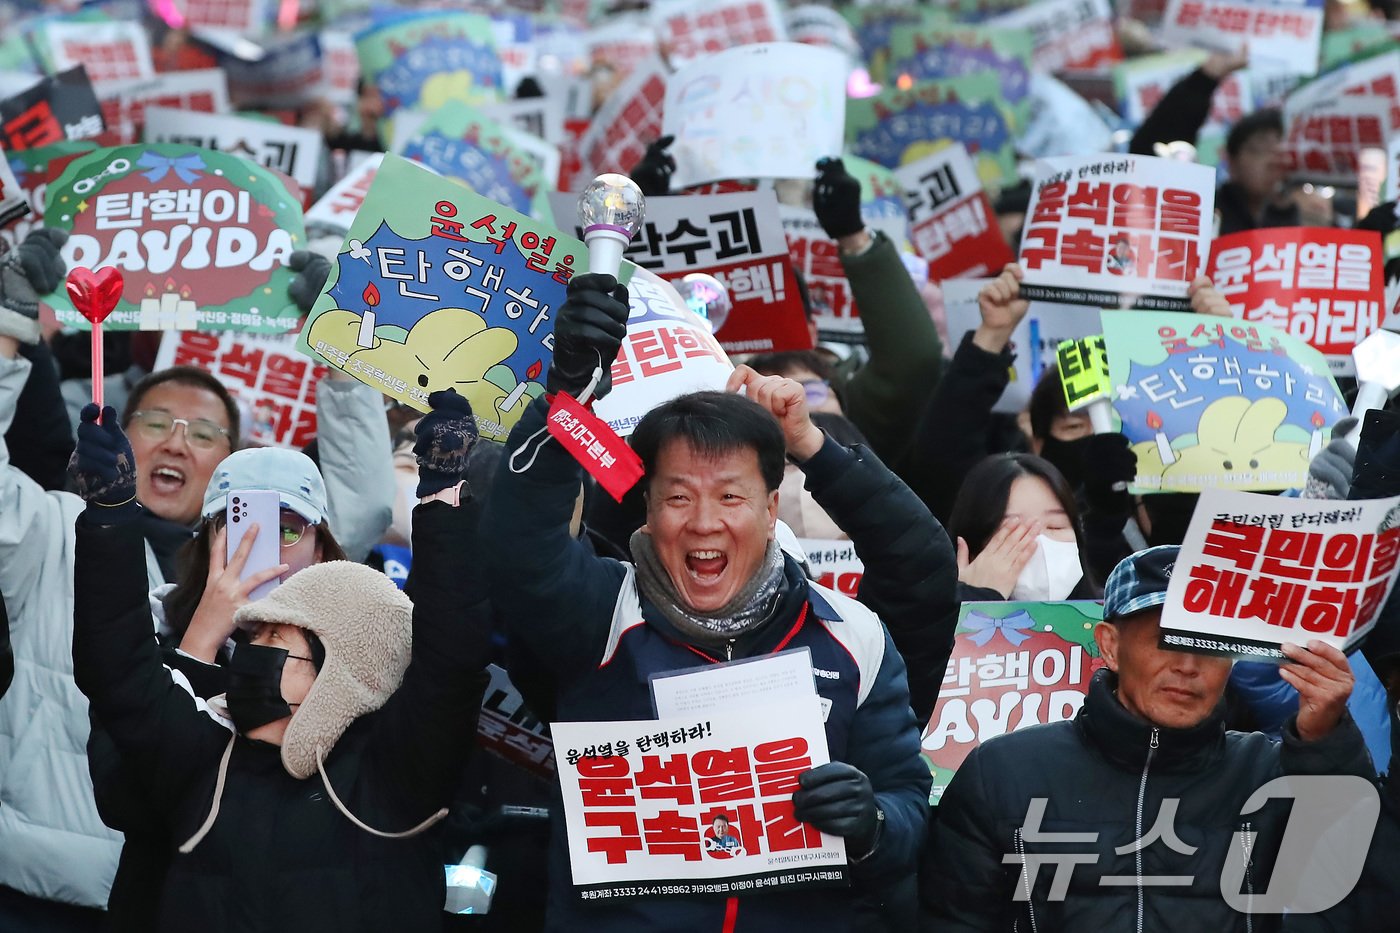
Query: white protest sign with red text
{"points": [[738, 238], [109, 51], [507, 727], [338, 206], [1321, 285], [291, 150], [668, 352], [1117, 231], [818, 258], [1331, 119], [1256, 571], [697, 836], [834, 564], [1281, 37], [273, 382], [951, 221], [628, 121], [124, 103], [1070, 35], [688, 30]]}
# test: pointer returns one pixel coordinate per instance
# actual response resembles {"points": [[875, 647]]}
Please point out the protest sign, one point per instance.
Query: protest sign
{"points": [[488, 158], [274, 385], [1280, 37], [1207, 402], [1070, 35], [834, 564], [818, 259], [1323, 286], [1062, 122], [621, 46], [110, 51], [743, 684], [437, 287], [688, 30], [873, 27], [811, 24], [1141, 83], [1257, 571], [629, 120], [737, 238], [423, 60], [669, 351], [1331, 118], [955, 50], [240, 16], [1034, 341], [33, 170], [1119, 231], [896, 127], [124, 103], [951, 221], [338, 206], [509, 730], [542, 117], [1340, 46], [761, 111], [287, 74], [58, 107], [1083, 365], [1013, 665], [340, 66], [200, 237], [14, 200], [706, 833], [290, 150]]}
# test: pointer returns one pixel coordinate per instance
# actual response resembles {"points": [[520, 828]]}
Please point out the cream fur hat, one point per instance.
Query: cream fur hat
{"points": [[365, 624]]}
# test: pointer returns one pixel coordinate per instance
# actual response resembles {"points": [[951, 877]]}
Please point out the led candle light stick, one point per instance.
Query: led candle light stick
{"points": [[610, 210], [94, 296]]}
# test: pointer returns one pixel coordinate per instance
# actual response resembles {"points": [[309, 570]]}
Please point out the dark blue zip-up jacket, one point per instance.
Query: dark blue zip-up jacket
{"points": [[582, 617]]}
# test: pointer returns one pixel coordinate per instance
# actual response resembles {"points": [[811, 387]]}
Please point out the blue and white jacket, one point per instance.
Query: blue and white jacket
{"points": [[584, 619]]}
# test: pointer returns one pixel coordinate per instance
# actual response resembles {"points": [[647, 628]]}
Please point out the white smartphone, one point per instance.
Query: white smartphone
{"points": [[246, 508]]}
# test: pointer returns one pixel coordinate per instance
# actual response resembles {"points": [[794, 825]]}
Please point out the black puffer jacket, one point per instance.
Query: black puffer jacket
{"points": [[280, 855], [1109, 773]]}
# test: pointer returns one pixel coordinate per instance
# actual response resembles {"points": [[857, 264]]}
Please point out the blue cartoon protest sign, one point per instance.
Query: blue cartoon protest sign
{"points": [[436, 287], [462, 143], [1210, 403], [425, 59]]}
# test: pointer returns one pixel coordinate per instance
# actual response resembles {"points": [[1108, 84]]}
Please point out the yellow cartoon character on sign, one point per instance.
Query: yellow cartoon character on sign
{"points": [[450, 348], [1236, 437]]}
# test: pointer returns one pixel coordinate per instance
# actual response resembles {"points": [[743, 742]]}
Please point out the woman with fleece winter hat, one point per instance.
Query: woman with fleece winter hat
{"points": [[303, 798]]}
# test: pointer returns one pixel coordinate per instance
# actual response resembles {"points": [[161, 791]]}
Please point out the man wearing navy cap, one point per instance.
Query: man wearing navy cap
{"points": [[1129, 816]]}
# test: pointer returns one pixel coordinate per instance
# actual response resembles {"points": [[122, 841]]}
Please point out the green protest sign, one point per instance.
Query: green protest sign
{"points": [[201, 237], [1013, 665], [436, 287]]}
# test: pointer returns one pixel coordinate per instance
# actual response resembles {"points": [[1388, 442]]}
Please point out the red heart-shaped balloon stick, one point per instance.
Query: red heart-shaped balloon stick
{"points": [[95, 294]]}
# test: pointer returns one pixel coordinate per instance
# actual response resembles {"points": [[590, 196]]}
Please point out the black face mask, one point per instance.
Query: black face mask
{"points": [[1068, 457], [254, 694]]}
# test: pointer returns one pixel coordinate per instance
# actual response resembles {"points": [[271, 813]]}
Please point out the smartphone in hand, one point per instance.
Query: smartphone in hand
{"points": [[263, 508]]}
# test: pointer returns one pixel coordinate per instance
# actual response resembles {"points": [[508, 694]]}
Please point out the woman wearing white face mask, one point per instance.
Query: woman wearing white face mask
{"points": [[1017, 531]]}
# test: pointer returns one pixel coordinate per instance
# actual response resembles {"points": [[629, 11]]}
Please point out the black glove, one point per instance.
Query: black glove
{"points": [[836, 200], [311, 271], [1109, 466], [102, 465], [653, 173], [34, 268], [1377, 473], [837, 798], [446, 436], [588, 334]]}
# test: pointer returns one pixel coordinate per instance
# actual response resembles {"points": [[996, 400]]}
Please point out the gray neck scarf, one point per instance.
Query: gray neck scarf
{"points": [[749, 608]]}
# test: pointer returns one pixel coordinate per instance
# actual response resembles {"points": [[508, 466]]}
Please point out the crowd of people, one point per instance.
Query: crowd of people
{"points": [[180, 753]]}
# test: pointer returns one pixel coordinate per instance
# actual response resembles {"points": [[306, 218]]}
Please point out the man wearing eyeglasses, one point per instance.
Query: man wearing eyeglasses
{"points": [[57, 858]]}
